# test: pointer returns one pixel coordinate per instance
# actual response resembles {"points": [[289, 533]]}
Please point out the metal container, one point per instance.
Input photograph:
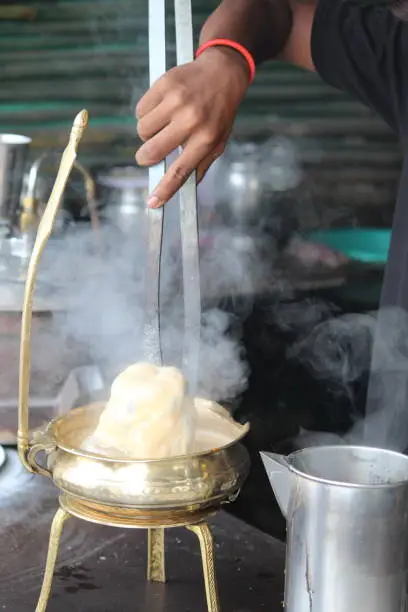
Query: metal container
{"points": [[187, 484], [250, 177], [13, 155], [347, 526], [123, 194], [239, 185]]}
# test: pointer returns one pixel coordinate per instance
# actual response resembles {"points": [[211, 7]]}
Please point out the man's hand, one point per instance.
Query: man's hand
{"points": [[193, 106]]}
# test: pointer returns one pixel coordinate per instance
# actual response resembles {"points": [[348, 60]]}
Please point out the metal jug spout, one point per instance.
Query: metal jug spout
{"points": [[280, 477]]}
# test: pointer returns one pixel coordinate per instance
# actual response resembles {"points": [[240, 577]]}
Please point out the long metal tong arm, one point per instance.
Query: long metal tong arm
{"points": [[44, 231], [157, 67], [189, 222], [188, 209]]}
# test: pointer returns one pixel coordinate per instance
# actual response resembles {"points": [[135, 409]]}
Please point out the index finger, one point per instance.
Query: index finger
{"points": [[180, 170], [150, 100]]}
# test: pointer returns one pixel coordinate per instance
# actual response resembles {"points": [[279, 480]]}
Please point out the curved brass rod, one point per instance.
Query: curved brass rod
{"points": [[90, 191], [89, 184], [44, 231]]}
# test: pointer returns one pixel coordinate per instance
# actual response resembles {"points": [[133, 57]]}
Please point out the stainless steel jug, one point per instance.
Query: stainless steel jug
{"points": [[13, 154], [347, 528]]}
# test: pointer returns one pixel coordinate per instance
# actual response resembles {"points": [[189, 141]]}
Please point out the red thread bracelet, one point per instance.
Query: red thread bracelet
{"points": [[225, 42]]}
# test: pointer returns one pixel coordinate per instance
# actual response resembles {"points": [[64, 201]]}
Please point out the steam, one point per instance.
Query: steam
{"points": [[102, 277], [337, 351], [342, 351], [386, 423]]}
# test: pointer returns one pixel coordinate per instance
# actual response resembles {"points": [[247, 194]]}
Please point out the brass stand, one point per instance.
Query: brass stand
{"points": [[70, 507]]}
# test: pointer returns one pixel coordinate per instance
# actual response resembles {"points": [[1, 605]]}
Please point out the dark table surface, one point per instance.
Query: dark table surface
{"points": [[101, 569]]}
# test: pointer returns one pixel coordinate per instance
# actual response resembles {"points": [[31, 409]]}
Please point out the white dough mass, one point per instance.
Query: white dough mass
{"points": [[147, 416]]}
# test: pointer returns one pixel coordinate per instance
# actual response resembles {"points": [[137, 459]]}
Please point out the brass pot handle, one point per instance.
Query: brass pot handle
{"points": [[43, 233], [41, 444]]}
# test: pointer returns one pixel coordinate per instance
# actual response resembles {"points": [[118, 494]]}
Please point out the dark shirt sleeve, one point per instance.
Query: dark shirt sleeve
{"points": [[359, 47]]}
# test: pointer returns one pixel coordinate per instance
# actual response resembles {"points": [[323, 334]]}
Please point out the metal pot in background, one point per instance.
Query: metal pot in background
{"points": [[239, 188], [13, 155], [122, 192], [250, 176]]}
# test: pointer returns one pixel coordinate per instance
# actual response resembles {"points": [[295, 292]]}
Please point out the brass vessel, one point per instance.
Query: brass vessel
{"points": [[134, 493], [188, 483]]}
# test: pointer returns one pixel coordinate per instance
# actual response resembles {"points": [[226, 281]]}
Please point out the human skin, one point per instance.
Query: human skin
{"points": [[195, 105]]}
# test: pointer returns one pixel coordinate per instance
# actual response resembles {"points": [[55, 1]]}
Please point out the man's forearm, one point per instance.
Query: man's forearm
{"points": [[262, 26]]}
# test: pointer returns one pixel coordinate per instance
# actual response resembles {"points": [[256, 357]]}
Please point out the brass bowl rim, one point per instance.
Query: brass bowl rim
{"points": [[215, 407]]}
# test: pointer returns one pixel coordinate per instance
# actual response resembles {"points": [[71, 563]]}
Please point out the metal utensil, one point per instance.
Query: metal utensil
{"points": [[347, 517], [204, 481], [43, 233], [189, 221], [157, 67], [13, 154], [239, 185], [122, 195], [251, 179], [188, 209]]}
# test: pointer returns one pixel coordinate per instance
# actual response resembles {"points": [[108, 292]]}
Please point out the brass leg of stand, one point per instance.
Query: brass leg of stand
{"points": [[55, 536], [204, 535], [156, 569]]}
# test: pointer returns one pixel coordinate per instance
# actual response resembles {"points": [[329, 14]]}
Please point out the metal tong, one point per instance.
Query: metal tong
{"points": [[188, 208]]}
